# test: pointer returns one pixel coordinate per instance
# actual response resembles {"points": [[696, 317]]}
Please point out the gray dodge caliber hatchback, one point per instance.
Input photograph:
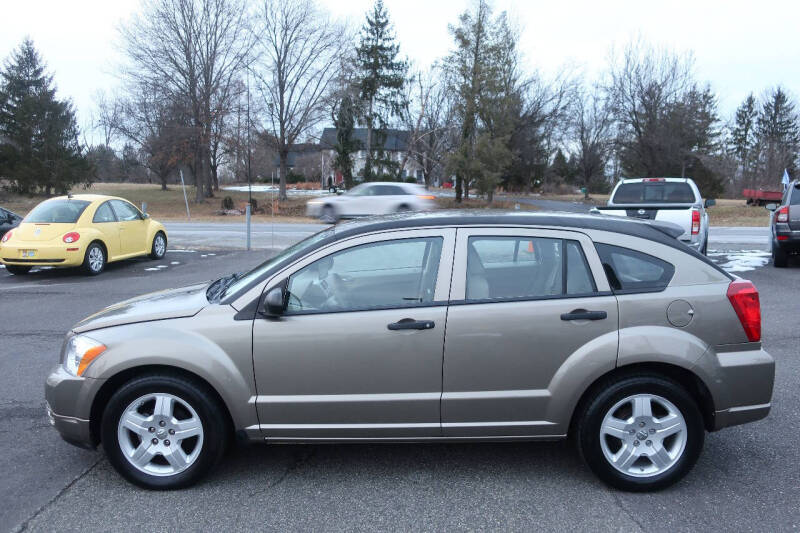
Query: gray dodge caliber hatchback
{"points": [[449, 326]]}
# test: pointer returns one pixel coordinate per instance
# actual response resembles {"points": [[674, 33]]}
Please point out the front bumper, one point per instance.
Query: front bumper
{"points": [[69, 404], [740, 381]]}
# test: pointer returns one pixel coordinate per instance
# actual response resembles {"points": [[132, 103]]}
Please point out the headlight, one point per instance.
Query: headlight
{"points": [[79, 352]]}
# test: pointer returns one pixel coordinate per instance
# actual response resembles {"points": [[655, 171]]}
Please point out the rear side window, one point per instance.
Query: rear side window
{"points": [[125, 211], [525, 268], [795, 192], [632, 271], [104, 214], [669, 192]]}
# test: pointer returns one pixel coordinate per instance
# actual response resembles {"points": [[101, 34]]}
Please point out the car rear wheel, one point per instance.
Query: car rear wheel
{"points": [[640, 433], [163, 432], [18, 270], [159, 247], [95, 259], [780, 259]]}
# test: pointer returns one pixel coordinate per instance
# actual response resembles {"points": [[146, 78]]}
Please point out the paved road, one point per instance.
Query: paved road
{"points": [[266, 236], [747, 479]]}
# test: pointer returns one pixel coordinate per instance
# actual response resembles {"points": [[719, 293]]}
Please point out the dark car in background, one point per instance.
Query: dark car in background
{"points": [[8, 220], [784, 225]]}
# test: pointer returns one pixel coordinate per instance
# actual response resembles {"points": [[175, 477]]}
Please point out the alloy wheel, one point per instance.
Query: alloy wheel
{"points": [[160, 434], [96, 259], [643, 435]]}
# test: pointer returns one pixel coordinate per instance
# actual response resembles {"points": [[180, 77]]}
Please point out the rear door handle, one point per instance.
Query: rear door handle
{"points": [[410, 323], [583, 314]]}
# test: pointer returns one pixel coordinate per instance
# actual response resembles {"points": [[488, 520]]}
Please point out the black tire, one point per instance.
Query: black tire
{"points": [[780, 259], [403, 208], [90, 266], [704, 251], [18, 270], [587, 430], [153, 252], [215, 428], [329, 215]]}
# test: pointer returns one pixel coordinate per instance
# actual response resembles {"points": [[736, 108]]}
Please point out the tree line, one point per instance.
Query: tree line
{"points": [[211, 86]]}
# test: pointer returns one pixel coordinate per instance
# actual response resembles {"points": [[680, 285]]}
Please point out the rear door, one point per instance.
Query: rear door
{"points": [[531, 317]]}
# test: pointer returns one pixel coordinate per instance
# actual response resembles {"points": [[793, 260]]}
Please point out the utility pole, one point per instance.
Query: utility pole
{"points": [[249, 185]]}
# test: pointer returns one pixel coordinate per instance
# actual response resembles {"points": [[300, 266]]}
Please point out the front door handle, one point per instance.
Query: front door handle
{"points": [[583, 314], [410, 323]]}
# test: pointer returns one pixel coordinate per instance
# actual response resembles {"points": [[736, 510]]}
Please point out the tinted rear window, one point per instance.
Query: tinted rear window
{"points": [[632, 271], [654, 192], [795, 200], [57, 212]]}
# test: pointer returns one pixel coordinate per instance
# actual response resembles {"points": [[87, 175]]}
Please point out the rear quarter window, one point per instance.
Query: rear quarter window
{"points": [[795, 195], [633, 271]]}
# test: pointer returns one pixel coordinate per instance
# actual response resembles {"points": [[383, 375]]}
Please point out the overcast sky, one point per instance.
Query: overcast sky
{"points": [[739, 46]]}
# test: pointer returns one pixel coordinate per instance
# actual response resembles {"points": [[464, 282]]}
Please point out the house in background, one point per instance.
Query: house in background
{"points": [[395, 147]]}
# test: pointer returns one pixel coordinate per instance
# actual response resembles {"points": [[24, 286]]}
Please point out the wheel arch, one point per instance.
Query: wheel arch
{"points": [[113, 384], [684, 377]]}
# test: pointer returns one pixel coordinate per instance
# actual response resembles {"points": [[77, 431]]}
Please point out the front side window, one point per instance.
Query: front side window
{"points": [[526, 267], [125, 211], [104, 214], [632, 271], [388, 274], [57, 212]]}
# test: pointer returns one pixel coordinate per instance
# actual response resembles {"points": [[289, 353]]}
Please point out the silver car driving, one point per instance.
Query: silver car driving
{"points": [[429, 327]]}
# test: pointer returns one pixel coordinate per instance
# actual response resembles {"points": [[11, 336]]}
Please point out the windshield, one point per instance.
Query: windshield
{"points": [[654, 192], [244, 281], [57, 212]]}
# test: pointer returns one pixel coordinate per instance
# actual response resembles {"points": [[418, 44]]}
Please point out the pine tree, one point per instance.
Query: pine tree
{"points": [[381, 80], [743, 137], [346, 145], [41, 152], [778, 135]]}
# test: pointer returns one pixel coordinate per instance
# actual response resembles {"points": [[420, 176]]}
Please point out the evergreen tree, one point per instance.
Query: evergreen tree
{"points": [[42, 152], [778, 135], [381, 80], [346, 145], [743, 138]]}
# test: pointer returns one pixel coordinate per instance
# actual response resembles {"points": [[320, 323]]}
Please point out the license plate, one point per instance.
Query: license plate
{"points": [[27, 253]]}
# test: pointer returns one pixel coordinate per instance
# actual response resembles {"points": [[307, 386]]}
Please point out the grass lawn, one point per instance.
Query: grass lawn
{"points": [[169, 205]]}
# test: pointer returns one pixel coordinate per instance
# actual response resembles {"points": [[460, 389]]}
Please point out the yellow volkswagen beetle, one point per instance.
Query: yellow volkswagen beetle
{"points": [[86, 230]]}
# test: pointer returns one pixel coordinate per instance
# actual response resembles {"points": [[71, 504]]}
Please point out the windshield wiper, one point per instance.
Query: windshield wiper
{"points": [[225, 283]]}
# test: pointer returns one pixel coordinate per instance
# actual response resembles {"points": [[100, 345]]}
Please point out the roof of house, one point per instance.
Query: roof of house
{"points": [[396, 140]]}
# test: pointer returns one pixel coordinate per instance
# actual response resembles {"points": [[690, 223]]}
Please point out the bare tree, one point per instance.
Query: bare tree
{"points": [[192, 51], [109, 117], [593, 122], [300, 49]]}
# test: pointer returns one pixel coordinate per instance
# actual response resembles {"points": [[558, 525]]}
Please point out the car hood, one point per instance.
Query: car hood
{"points": [[172, 303]]}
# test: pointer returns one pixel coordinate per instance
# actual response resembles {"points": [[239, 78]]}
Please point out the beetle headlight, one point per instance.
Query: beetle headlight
{"points": [[79, 351]]}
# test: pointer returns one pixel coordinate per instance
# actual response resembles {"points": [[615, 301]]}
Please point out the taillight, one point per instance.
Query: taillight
{"points": [[71, 237], [744, 299], [426, 197], [6, 236], [695, 221], [783, 214]]}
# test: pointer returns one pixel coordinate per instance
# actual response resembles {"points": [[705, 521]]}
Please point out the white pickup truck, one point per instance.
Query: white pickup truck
{"points": [[675, 200]]}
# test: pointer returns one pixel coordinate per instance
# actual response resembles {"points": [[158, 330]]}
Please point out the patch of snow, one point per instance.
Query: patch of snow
{"points": [[211, 254], [745, 260], [175, 263], [182, 251], [203, 255], [151, 270], [162, 266]]}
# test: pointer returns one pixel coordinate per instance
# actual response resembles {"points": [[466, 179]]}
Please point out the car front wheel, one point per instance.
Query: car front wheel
{"points": [[159, 247], [641, 433], [163, 432]]}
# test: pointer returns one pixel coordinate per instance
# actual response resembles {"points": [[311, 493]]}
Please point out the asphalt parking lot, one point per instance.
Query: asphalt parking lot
{"points": [[748, 477]]}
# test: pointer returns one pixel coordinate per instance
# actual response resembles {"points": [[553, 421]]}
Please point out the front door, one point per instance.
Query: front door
{"points": [[358, 353], [131, 228], [527, 307]]}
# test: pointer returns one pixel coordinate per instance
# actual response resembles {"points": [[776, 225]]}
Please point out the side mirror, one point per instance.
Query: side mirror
{"points": [[771, 207], [710, 202], [275, 302], [146, 215]]}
